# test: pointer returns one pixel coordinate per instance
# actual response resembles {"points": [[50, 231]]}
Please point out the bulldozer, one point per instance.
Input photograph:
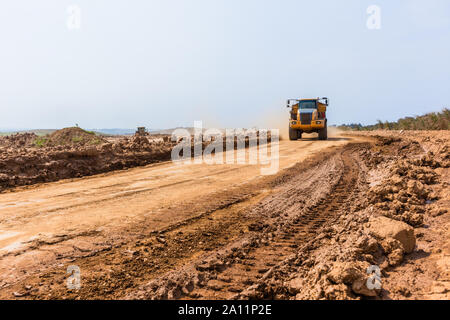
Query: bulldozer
{"points": [[308, 115], [141, 131]]}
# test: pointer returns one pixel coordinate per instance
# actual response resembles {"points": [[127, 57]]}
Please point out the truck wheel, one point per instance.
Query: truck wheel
{"points": [[293, 134], [299, 135], [323, 135]]}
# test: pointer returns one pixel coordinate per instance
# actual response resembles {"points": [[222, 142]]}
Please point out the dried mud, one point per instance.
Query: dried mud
{"points": [[27, 159], [310, 232]]}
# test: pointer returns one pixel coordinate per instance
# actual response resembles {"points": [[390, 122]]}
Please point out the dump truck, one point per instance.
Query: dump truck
{"points": [[308, 115]]}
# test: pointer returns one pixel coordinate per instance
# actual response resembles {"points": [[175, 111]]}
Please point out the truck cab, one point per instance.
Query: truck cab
{"points": [[307, 115]]}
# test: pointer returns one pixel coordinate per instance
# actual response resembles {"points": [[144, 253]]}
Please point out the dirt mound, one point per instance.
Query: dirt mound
{"points": [[18, 140], [74, 152], [71, 136], [402, 195]]}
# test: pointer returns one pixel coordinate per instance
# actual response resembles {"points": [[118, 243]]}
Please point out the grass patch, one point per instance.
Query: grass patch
{"points": [[40, 142]]}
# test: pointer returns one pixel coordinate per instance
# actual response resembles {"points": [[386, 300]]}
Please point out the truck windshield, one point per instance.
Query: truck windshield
{"points": [[307, 104]]}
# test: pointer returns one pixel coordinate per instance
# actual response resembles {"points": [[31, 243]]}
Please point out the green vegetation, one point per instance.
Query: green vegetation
{"points": [[90, 132], [429, 121], [40, 142]]}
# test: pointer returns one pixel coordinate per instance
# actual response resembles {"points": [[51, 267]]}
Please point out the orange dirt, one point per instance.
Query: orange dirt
{"points": [[224, 231]]}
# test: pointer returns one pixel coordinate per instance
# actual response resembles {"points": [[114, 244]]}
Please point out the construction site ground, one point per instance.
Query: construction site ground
{"points": [[225, 231]]}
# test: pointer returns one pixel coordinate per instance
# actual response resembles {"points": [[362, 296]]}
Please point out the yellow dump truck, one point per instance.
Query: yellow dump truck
{"points": [[307, 115]]}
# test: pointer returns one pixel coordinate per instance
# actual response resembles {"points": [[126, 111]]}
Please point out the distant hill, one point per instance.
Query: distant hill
{"points": [[168, 131], [101, 132], [115, 131]]}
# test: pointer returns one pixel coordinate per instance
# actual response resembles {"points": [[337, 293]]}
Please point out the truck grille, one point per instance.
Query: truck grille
{"points": [[305, 118]]}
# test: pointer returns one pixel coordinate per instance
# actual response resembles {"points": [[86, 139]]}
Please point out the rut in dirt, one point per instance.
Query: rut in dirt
{"points": [[248, 231], [305, 201], [251, 267]]}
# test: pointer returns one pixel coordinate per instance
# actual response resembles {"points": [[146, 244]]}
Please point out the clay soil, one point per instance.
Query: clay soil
{"points": [[27, 159], [310, 231]]}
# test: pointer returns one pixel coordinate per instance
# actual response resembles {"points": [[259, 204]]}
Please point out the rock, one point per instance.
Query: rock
{"points": [[337, 292], [402, 290], [439, 289], [416, 188], [396, 180], [395, 257], [295, 285], [214, 264], [344, 273], [390, 245], [215, 285], [413, 219], [367, 244], [18, 294], [161, 240], [384, 228], [436, 212], [360, 287]]}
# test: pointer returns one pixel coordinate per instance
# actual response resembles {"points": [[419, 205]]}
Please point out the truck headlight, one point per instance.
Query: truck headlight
{"points": [[318, 122]]}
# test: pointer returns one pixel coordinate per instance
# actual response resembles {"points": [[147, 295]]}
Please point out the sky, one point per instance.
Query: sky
{"points": [[228, 63]]}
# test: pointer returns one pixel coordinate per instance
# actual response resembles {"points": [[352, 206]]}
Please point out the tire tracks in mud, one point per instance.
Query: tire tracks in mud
{"points": [[278, 225], [249, 230], [239, 278]]}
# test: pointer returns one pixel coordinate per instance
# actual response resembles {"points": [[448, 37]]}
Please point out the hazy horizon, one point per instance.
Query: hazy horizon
{"points": [[12, 129], [229, 63]]}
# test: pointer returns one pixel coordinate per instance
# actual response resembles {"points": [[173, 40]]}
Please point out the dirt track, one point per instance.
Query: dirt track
{"points": [[204, 231], [52, 223]]}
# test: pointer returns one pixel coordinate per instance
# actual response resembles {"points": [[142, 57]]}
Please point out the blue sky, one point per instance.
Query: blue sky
{"points": [[230, 63]]}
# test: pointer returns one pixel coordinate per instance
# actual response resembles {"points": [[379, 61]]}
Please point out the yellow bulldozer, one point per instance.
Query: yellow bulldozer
{"points": [[308, 115]]}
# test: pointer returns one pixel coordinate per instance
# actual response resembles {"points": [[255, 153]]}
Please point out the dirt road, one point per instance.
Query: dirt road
{"points": [[200, 231], [52, 224]]}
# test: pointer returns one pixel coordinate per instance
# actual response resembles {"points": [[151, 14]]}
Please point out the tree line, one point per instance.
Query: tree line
{"points": [[429, 121]]}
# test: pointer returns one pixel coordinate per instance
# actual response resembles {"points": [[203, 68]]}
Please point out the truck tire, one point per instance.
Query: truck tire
{"points": [[323, 135], [293, 134]]}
